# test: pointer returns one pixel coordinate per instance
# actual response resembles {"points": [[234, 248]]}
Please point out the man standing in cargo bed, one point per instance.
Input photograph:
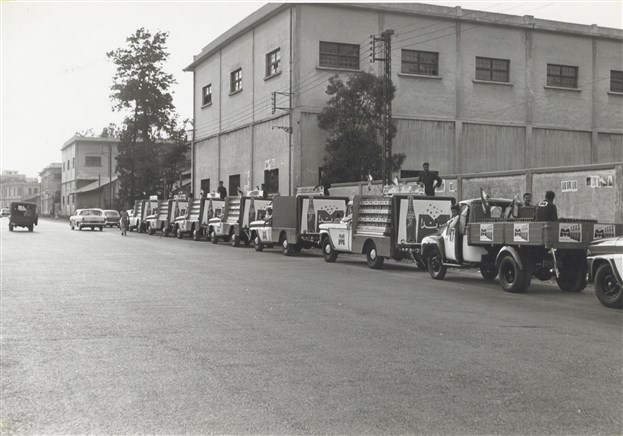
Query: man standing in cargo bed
{"points": [[429, 179]]}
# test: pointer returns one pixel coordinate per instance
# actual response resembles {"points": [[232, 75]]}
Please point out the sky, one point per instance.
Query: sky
{"points": [[56, 77]]}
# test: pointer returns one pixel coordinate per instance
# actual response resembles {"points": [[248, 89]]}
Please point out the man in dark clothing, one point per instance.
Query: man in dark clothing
{"points": [[546, 209], [429, 180], [222, 191], [324, 184]]}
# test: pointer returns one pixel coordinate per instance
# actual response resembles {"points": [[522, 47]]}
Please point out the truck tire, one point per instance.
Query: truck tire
{"points": [[607, 288], [372, 257], [488, 270], [436, 268], [235, 240], [573, 275], [512, 279], [257, 244], [11, 227], [30, 228], [286, 248], [328, 253], [101, 228]]}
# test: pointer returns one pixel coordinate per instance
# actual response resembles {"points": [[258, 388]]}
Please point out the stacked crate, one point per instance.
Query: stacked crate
{"points": [[374, 216], [233, 210]]}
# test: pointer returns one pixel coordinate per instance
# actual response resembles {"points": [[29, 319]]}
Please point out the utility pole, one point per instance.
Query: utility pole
{"points": [[386, 40]]}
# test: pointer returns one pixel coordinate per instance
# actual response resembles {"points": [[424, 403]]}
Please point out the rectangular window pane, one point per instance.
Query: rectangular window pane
{"points": [[93, 161], [495, 70], [419, 62], [236, 81], [207, 94], [563, 76], [337, 55], [616, 81], [273, 62]]}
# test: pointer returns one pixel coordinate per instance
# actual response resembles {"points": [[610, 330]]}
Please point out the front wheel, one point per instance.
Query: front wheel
{"points": [[607, 289], [30, 228], [328, 253], [436, 268], [573, 273], [512, 279], [286, 248], [257, 244], [488, 271], [372, 257]]}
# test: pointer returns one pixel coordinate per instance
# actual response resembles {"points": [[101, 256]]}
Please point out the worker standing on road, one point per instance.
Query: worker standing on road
{"points": [[429, 179], [546, 209], [123, 223]]}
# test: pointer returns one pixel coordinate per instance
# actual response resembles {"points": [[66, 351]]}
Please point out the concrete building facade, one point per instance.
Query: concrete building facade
{"points": [[51, 189], [88, 173], [18, 187], [476, 91]]}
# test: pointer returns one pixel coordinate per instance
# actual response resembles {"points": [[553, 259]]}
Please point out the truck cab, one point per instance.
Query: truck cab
{"points": [[234, 223], [212, 207], [188, 223]]}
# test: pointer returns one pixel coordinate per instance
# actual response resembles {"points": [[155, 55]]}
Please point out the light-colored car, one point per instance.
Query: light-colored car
{"points": [[111, 218], [87, 218], [605, 269]]}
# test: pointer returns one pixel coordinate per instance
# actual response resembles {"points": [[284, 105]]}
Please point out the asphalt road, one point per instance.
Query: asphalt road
{"points": [[104, 334]]}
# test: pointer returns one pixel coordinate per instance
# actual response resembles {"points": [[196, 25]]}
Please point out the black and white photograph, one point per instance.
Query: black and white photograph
{"points": [[311, 218]]}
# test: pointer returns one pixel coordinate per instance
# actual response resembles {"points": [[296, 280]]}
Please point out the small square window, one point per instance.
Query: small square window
{"points": [[616, 81], [273, 62], [235, 84], [206, 95], [93, 161], [562, 76], [492, 70], [420, 62]]}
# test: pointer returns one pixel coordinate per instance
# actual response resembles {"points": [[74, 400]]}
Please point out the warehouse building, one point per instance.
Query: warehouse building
{"points": [[476, 91]]}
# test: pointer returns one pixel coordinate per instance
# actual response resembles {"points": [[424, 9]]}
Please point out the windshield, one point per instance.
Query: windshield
{"points": [[112, 213], [91, 212]]}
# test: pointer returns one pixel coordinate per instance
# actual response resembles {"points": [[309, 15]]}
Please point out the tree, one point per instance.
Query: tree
{"points": [[141, 88], [353, 119]]}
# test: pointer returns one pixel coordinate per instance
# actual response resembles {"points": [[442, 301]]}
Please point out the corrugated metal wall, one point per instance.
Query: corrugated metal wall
{"points": [[426, 141], [491, 148], [560, 148]]}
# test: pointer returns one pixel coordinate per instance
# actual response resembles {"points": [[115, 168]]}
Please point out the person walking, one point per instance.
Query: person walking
{"points": [[123, 223], [429, 179], [546, 209]]}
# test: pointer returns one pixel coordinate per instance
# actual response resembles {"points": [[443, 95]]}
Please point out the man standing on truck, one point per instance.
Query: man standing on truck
{"points": [[429, 179], [222, 191], [546, 209]]}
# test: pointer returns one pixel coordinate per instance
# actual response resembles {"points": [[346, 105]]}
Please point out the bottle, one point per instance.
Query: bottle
{"points": [[311, 217], [411, 223], [251, 212]]}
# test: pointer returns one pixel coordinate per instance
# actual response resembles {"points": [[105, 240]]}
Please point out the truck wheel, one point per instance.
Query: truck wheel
{"points": [[372, 257], [329, 254], [247, 240], [179, 234], [573, 277], [257, 244], [10, 227], [101, 228], [286, 248], [436, 268], [196, 235], [488, 271], [30, 228], [511, 278], [235, 241], [608, 290]]}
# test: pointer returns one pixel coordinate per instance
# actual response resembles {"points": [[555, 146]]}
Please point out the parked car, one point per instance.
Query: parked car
{"points": [[23, 215], [605, 270], [111, 218], [5, 211], [87, 218]]}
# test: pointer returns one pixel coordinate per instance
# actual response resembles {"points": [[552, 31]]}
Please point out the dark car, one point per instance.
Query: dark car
{"points": [[111, 218], [605, 267], [23, 215]]}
